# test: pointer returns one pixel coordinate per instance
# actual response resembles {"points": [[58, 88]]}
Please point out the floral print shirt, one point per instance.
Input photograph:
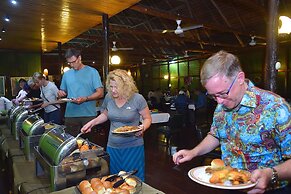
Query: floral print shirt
{"points": [[256, 134]]}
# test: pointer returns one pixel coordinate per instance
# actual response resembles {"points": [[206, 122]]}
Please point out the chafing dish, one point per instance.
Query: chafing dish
{"points": [[11, 115], [32, 129], [17, 121], [58, 156]]}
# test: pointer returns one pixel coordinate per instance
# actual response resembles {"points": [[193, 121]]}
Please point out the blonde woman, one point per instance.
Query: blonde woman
{"points": [[123, 106]]}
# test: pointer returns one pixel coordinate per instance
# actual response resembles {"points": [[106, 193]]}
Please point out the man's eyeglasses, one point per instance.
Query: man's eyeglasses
{"points": [[222, 95], [69, 63]]}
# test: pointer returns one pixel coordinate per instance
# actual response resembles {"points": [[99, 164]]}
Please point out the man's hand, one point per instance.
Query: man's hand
{"points": [[79, 100], [44, 105], [263, 177], [182, 156], [61, 93]]}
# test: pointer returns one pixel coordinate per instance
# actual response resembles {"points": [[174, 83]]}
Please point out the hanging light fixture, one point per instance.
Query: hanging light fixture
{"points": [[115, 60], [0, 38], [45, 72], [14, 2], [66, 69], [285, 25], [3, 30], [7, 19], [277, 65]]}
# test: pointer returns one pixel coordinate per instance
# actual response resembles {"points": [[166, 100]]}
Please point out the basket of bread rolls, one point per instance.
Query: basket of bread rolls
{"points": [[222, 174], [131, 185]]}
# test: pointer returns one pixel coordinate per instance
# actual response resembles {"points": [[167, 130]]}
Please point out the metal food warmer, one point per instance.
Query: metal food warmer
{"points": [[17, 121], [29, 135], [12, 114], [58, 156]]}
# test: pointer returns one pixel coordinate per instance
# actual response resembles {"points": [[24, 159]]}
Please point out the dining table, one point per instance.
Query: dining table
{"points": [[159, 117]]}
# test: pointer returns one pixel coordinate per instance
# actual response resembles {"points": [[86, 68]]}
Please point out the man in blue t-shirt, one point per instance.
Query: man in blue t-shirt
{"points": [[81, 83]]}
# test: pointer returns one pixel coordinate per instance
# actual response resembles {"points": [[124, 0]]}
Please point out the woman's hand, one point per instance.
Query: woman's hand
{"points": [[87, 127], [140, 133]]}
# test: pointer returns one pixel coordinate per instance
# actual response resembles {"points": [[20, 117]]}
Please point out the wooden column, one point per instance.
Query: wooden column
{"points": [[270, 73], [169, 74], [60, 57], [105, 46]]}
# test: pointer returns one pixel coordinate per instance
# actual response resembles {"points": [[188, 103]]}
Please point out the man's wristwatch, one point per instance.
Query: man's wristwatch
{"points": [[275, 177]]}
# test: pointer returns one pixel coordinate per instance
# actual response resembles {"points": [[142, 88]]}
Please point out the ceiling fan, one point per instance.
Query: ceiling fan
{"points": [[186, 54], [180, 31], [143, 62], [253, 42], [114, 48]]}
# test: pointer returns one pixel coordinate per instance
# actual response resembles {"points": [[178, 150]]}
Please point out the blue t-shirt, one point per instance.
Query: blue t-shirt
{"points": [[127, 115], [257, 134], [81, 83]]}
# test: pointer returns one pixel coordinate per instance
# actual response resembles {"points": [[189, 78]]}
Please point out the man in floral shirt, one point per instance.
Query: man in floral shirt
{"points": [[252, 125]]}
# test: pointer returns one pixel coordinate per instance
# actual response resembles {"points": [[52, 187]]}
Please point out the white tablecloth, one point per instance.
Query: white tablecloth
{"points": [[159, 117]]}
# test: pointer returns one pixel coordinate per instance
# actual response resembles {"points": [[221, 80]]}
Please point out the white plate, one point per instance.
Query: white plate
{"points": [[66, 99], [32, 99], [126, 132], [199, 175]]}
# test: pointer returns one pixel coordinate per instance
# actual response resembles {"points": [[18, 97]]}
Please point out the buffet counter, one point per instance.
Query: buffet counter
{"points": [[22, 173], [146, 189]]}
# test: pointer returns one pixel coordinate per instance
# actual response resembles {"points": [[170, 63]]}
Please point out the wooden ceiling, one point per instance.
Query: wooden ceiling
{"points": [[221, 24], [37, 25], [225, 24]]}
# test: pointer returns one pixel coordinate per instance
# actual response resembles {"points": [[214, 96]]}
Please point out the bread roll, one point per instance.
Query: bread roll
{"points": [[84, 184], [104, 178], [107, 184], [131, 182], [100, 189], [87, 190], [217, 164], [95, 181], [123, 191]]}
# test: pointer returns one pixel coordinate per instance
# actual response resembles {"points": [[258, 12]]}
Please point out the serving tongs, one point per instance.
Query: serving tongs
{"points": [[115, 176], [79, 134], [123, 177]]}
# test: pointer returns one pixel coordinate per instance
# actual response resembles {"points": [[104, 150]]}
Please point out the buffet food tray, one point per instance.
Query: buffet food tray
{"points": [[138, 186]]}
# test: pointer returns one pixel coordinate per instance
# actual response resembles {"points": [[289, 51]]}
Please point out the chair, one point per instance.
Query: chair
{"points": [[173, 128]]}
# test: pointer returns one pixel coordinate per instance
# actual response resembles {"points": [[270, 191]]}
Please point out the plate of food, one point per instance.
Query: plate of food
{"points": [[32, 99], [222, 177], [66, 99], [126, 130]]}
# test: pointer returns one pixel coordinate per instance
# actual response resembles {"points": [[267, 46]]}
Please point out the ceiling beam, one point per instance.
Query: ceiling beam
{"points": [[168, 36], [166, 15], [249, 4], [226, 21]]}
